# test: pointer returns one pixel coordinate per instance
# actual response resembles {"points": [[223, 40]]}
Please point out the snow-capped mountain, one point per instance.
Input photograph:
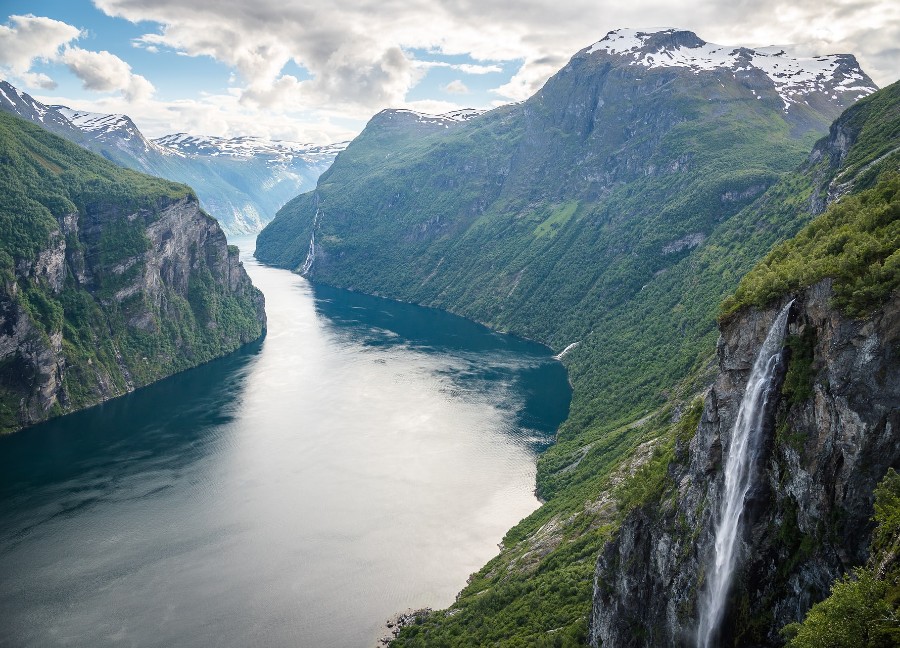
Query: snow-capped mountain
{"points": [[242, 181], [280, 151], [794, 78], [109, 127], [25, 106], [446, 119]]}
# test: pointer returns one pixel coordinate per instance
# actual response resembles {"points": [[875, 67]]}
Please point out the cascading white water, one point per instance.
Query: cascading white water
{"points": [[311, 255], [739, 470]]}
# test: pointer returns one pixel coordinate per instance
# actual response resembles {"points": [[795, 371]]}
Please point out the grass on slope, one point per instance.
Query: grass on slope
{"points": [[856, 242], [44, 179], [538, 591], [863, 610]]}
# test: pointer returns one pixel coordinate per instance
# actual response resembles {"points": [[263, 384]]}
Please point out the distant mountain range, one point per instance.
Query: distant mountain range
{"points": [[242, 181]]}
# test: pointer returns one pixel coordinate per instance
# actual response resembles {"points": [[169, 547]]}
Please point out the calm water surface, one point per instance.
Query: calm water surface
{"points": [[366, 457]]}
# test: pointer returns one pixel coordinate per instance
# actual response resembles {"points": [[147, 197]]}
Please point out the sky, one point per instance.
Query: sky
{"points": [[317, 71]]}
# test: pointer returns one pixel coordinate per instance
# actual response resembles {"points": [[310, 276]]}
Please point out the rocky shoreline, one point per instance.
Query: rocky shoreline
{"points": [[399, 621]]}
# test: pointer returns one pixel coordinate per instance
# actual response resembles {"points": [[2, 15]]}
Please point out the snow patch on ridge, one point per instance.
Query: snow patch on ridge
{"points": [[22, 101], [793, 76], [113, 128], [281, 151], [445, 119], [91, 121]]}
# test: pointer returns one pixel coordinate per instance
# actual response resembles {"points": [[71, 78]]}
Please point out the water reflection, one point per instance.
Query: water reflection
{"points": [[365, 457]]}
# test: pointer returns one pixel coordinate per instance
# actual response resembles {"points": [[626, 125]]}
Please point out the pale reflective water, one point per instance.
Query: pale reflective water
{"points": [[364, 458]]}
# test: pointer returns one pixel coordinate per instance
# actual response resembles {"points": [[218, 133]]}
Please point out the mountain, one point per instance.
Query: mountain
{"points": [[564, 218], [829, 431], [246, 147], [608, 216], [242, 181], [805, 85], [109, 279]]}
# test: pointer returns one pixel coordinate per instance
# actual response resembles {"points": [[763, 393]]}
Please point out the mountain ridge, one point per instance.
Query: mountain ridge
{"points": [[797, 76], [242, 190], [615, 209], [109, 279]]}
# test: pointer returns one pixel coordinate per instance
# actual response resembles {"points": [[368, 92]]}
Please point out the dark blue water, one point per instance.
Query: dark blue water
{"points": [[364, 458]]}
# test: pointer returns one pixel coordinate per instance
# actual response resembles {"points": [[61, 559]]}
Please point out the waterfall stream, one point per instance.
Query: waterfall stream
{"points": [[739, 470], [311, 255]]}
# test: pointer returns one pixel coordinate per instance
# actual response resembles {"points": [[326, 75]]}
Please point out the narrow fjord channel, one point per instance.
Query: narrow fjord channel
{"points": [[365, 457]]}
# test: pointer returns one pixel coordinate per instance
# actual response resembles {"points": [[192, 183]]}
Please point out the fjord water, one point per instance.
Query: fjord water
{"points": [[365, 457]]}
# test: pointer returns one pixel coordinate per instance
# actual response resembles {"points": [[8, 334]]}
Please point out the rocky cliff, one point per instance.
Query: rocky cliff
{"points": [[110, 280], [829, 431], [831, 434]]}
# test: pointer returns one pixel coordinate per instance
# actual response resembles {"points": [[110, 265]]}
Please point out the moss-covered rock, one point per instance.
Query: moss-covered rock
{"points": [[110, 279]]}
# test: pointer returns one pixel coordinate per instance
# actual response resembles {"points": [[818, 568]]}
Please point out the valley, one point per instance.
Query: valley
{"points": [[363, 458], [641, 328]]}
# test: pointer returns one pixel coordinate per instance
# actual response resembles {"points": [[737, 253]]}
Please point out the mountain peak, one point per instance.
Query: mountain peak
{"points": [[794, 77], [621, 41]]}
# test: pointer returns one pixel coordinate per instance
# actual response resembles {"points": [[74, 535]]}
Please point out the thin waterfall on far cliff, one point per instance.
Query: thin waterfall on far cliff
{"points": [[311, 255], [739, 470]]}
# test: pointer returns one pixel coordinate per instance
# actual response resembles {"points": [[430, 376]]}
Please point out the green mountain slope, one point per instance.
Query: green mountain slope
{"points": [[553, 219], [243, 191], [615, 209], [828, 431], [863, 610], [537, 591], [110, 279]]}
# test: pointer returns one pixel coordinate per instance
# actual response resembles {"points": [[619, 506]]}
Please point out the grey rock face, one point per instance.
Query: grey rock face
{"points": [[183, 243], [807, 518]]}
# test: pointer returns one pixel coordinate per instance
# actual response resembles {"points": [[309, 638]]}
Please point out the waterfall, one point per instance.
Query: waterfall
{"points": [[739, 470], [311, 255]]}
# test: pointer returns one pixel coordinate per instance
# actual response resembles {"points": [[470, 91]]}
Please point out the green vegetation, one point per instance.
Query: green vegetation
{"points": [[798, 381], [557, 218], [45, 178], [621, 227], [856, 243], [537, 592], [55, 197], [863, 610]]}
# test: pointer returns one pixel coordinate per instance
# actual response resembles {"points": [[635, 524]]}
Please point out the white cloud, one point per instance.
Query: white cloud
{"points": [[38, 80], [29, 38], [357, 54], [221, 115], [530, 77], [456, 87], [357, 57], [432, 106], [105, 72], [466, 68], [469, 68]]}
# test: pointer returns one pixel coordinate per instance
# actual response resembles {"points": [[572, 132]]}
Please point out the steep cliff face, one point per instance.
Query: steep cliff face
{"points": [[110, 280], [829, 431], [831, 434]]}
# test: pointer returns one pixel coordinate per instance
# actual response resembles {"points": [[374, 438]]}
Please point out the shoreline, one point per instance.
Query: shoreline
{"points": [[397, 622]]}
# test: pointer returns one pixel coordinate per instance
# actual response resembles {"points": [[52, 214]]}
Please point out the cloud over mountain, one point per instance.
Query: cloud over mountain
{"points": [[29, 39]]}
